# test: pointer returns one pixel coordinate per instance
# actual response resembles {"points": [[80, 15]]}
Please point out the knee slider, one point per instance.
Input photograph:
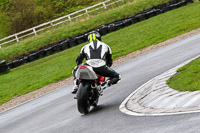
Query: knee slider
{"points": [[119, 78]]}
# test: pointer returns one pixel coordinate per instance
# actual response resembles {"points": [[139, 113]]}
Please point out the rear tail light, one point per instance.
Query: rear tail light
{"points": [[84, 66], [102, 79]]}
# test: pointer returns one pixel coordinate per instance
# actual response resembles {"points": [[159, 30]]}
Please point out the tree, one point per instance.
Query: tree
{"points": [[4, 25]]}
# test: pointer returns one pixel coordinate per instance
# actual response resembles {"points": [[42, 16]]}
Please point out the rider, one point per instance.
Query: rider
{"points": [[97, 50]]}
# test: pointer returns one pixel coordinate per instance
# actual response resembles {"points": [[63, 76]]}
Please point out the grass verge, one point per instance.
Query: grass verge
{"points": [[68, 30], [32, 76], [187, 78]]}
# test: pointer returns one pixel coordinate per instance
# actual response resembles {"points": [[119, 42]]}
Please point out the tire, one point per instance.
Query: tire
{"points": [[95, 103], [82, 98]]}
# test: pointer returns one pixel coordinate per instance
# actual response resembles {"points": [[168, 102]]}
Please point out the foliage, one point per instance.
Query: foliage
{"points": [[4, 24], [25, 14], [3, 2], [69, 30]]}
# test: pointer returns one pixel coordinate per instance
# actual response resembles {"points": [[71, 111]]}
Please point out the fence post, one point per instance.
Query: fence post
{"points": [[87, 12], [52, 23], [69, 18], [34, 31], [16, 38], [104, 5]]}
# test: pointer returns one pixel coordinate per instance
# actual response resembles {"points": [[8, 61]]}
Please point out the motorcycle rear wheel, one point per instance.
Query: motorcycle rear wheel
{"points": [[83, 103], [95, 103]]}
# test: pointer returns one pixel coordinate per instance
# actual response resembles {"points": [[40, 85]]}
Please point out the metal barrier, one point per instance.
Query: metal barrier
{"points": [[67, 18]]}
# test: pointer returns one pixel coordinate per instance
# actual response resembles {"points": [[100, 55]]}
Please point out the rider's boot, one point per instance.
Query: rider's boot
{"points": [[105, 84], [75, 89]]}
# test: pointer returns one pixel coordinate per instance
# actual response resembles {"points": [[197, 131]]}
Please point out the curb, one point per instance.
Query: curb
{"points": [[155, 98]]}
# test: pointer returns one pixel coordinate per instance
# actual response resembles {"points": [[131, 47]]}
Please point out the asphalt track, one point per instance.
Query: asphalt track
{"points": [[56, 112]]}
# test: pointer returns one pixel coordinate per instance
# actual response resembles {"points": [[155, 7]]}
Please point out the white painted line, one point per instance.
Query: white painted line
{"points": [[194, 99], [153, 95], [163, 96], [165, 101], [157, 114], [160, 84], [180, 99]]}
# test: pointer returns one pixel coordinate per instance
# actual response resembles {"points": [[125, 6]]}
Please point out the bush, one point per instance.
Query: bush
{"points": [[25, 14], [4, 25]]}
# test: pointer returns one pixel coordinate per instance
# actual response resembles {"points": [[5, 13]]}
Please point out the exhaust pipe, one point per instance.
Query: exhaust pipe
{"points": [[93, 85]]}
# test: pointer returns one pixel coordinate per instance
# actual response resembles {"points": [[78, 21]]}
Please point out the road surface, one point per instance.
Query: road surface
{"points": [[56, 112]]}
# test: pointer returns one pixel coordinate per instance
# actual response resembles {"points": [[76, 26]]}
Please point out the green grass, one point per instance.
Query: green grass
{"points": [[67, 30], [187, 78], [34, 75]]}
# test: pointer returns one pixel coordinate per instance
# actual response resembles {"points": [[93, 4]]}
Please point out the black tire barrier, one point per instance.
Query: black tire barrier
{"points": [[56, 47], [158, 11], [87, 34], [189, 1], [141, 16], [80, 39], [64, 45], [103, 30], [40, 54], [10, 65], [164, 7], [72, 42], [16, 63], [152, 13], [111, 27], [3, 66], [178, 5], [23, 59], [90, 32], [127, 22], [3, 63], [172, 7], [172, 2], [119, 25], [32, 57], [133, 19], [182, 3], [48, 51]]}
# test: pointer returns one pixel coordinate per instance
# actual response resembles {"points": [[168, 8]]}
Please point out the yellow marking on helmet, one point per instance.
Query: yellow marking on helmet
{"points": [[94, 36], [90, 37]]}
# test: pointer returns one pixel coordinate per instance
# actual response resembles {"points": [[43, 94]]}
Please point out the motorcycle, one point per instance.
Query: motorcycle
{"points": [[90, 88]]}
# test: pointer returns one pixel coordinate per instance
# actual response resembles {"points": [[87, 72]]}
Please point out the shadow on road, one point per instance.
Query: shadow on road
{"points": [[100, 109]]}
